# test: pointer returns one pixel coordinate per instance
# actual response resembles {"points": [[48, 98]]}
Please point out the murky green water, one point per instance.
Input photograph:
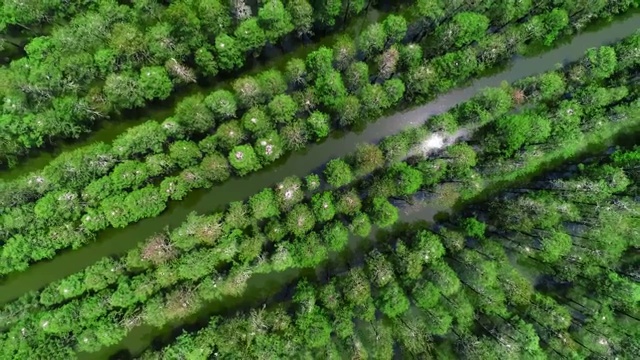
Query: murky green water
{"points": [[118, 241]]}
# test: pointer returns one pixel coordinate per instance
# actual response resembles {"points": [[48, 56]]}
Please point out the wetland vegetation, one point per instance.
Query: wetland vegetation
{"points": [[247, 222]]}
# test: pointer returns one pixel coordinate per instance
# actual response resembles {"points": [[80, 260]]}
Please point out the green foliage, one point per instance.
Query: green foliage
{"points": [[323, 207], [366, 159], [601, 62], [330, 90], [296, 72], [124, 89], [215, 167], [184, 153], [348, 202], [248, 90], [128, 174], [302, 16], [344, 52], [477, 280], [551, 85], [275, 20], [228, 53], [312, 182], [269, 147], [289, 192], [300, 220], [229, 134], [264, 204], [392, 301], [336, 235], [465, 28], [192, 114], [320, 62], [295, 135], [282, 108], [318, 124], [272, 83], [357, 76], [395, 28], [394, 90], [222, 104], [474, 228], [256, 121], [372, 39], [554, 22], [512, 132], [360, 225], [250, 35], [154, 83], [407, 179], [140, 140], [383, 213], [338, 173], [206, 62], [555, 245], [244, 159]]}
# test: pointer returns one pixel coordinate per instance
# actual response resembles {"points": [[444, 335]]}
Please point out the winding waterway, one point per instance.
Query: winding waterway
{"points": [[117, 241]]}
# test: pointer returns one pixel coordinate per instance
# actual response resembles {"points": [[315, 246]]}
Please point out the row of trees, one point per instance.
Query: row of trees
{"points": [[150, 201], [456, 291], [33, 17], [197, 115], [171, 276], [118, 56], [152, 48], [122, 195], [107, 201]]}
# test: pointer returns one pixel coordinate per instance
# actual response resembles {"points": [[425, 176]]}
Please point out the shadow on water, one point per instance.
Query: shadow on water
{"points": [[117, 241]]}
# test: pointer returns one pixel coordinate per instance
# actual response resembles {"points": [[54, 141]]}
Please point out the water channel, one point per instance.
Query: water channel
{"points": [[118, 241]]}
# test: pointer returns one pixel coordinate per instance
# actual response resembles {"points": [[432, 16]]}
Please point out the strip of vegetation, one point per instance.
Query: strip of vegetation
{"points": [[195, 116], [123, 208], [100, 204], [454, 290], [35, 16], [121, 56], [368, 158], [102, 329], [562, 225], [90, 163]]}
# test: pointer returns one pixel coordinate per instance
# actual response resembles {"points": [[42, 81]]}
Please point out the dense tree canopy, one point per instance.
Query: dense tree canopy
{"points": [[463, 287]]}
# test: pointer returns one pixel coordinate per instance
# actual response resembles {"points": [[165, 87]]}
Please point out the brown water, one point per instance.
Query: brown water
{"points": [[118, 241]]}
